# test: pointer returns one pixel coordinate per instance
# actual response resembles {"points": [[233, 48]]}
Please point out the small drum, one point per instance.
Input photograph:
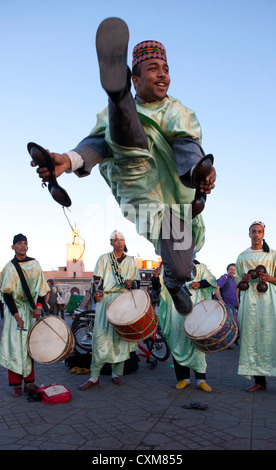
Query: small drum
{"points": [[50, 340], [210, 327], [132, 315]]}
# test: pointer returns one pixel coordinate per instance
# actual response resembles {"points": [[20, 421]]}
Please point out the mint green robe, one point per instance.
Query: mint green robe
{"points": [[257, 317], [107, 346], [139, 177], [183, 349], [14, 343]]}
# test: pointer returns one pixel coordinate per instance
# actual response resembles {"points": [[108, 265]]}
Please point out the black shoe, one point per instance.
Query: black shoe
{"points": [[202, 169], [111, 43], [43, 159], [200, 172], [181, 299]]}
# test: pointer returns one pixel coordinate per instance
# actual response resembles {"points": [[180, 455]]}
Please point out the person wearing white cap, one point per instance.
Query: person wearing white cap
{"points": [[257, 311], [114, 274]]}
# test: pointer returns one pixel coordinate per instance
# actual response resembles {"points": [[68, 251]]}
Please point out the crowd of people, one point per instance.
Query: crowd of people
{"points": [[150, 154]]}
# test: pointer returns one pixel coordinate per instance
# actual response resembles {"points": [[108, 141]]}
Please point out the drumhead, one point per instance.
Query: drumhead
{"points": [[128, 307], [48, 339], [205, 318]]}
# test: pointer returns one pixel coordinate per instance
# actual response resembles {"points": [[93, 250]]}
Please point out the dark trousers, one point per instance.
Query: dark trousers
{"points": [[182, 372], [260, 379], [177, 246]]}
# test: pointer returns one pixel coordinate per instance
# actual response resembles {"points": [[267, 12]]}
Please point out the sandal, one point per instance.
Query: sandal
{"points": [[195, 405], [43, 159]]}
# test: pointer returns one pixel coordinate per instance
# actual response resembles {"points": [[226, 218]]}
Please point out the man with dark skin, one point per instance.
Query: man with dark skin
{"points": [[107, 346], [150, 153], [257, 311], [20, 315]]}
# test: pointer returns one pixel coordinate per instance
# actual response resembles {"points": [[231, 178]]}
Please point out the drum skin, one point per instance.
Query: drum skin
{"points": [[210, 327], [50, 340], [132, 315]]}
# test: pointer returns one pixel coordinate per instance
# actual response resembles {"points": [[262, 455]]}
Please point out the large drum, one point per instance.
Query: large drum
{"points": [[210, 327], [50, 340], [132, 315]]}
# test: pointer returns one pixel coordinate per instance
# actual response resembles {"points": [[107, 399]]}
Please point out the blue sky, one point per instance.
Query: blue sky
{"points": [[222, 63]]}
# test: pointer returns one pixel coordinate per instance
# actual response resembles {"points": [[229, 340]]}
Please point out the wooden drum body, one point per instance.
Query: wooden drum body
{"points": [[50, 340], [210, 327], [132, 315]]}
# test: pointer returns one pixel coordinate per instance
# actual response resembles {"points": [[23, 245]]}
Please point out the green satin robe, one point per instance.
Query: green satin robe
{"points": [[257, 317], [172, 323], [14, 343], [107, 346], [139, 178]]}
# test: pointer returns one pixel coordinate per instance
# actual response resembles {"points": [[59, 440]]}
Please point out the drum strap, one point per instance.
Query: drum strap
{"points": [[116, 269], [23, 282], [28, 293]]}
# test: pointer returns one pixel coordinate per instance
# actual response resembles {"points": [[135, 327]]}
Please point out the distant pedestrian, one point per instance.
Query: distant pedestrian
{"points": [[52, 298], [227, 291]]}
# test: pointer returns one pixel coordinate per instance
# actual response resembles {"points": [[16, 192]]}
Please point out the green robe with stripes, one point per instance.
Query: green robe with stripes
{"points": [[182, 347], [141, 179], [107, 346], [257, 317]]}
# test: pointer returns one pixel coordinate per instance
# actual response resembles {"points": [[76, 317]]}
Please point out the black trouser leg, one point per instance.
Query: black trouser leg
{"points": [[260, 379], [183, 372], [177, 249], [124, 124]]}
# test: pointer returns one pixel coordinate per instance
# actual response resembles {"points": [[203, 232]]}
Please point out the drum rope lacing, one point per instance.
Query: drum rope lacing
{"points": [[42, 319]]}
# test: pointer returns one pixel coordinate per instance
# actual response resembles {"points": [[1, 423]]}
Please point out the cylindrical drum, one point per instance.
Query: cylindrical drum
{"points": [[210, 327], [132, 315], [50, 340]]}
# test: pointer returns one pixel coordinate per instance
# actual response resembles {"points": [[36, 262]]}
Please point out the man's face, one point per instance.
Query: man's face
{"points": [[20, 249], [154, 80], [117, 243], [256, 234], [231, 271]]}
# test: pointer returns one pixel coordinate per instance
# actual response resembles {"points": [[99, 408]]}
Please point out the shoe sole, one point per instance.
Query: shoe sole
{"points": [[111, 43]]}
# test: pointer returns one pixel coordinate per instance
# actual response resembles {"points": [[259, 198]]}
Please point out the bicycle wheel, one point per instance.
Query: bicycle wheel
{"points": [[81, 318], [83, 337], [159, 348]]}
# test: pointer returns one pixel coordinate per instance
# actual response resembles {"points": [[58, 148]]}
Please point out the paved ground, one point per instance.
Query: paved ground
{"points": [[144, 415]]}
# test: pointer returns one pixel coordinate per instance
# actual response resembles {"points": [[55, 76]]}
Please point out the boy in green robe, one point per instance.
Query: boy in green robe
{"points": [[150, 154], [19, 316], [185, 355], [257, 311], [107, 346]]}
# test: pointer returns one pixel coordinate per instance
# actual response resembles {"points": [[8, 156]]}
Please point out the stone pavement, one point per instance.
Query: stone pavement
{"points": [[146, 414]]}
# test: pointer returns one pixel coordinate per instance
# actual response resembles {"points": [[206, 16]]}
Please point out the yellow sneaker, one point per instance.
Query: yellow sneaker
{"points": [[83, 371], [182, 384], [205, 387]]}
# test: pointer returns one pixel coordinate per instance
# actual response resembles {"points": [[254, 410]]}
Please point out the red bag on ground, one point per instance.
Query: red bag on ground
{"points": [[54, 394]]}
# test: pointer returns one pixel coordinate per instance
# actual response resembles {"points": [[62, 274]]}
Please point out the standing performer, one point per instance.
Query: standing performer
{"points": [[114, 274], [257, 311], [20, 316], [150, 154], [185, 355]]}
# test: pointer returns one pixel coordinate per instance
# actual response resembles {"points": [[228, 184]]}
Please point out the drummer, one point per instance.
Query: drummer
{"points": [[185, 355], [19, 316], [114, 274]]}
